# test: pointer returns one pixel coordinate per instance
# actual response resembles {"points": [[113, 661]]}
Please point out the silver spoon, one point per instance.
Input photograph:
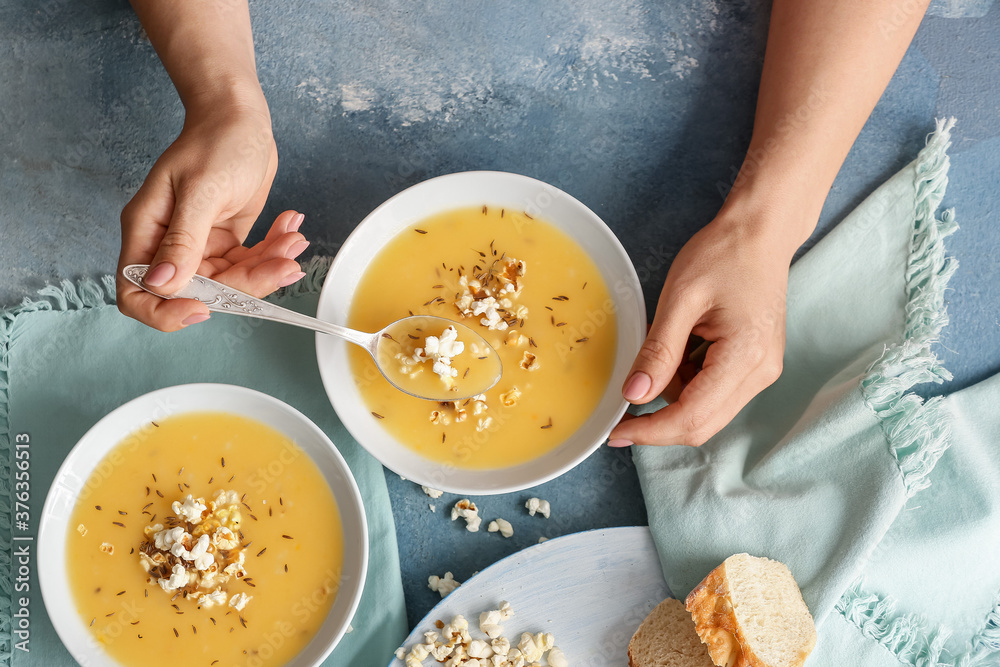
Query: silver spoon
{"points": [[478, 369]]}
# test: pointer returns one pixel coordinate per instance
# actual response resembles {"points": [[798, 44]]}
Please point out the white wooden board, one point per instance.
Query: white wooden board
{"points": [[591, 590]]}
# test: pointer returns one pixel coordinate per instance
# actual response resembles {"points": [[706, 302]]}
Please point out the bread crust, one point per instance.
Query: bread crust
{"points": [[712, 610], [710, 605]]}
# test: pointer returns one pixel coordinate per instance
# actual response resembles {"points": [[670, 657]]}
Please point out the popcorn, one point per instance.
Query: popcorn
{"points": [[224, 539], [501, 525], [489, 621], [216, 597], [239, 601], [493, 300], [457, 629], [82, 529], [455, 647], [529, 362], [467, 510], [441, 652], [433, 493], [510, 398], [479, 649], [557, 658], [191, 510], [515, 338], [416, 656], [539, 506], [440, 351], [165, 540], [443, 585], [178, 579], [483, 424], [501, 646], [490, 309], [529, 648], [107, 548], [200, 551], [223, 498]]}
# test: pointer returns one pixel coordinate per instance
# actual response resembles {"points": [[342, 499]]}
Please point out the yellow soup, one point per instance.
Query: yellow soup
{"points": [[531, 292], [242, 512]]}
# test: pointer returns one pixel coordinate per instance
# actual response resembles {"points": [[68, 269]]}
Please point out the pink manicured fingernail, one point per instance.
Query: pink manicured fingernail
{"points": [[194, 319], [292, 278], [160, 274], [296, 249], [296, 222], [637, 386], [620, 442]]}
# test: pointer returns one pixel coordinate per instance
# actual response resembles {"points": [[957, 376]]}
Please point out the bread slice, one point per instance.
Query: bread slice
{"points": [[750, 613], [667, 639]]}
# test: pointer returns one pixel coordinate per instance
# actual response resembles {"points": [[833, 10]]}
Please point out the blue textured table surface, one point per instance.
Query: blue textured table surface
{"points": [[641, 109]]}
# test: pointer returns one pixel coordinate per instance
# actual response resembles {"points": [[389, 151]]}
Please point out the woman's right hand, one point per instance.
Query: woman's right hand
{"points": [[196, 208]]}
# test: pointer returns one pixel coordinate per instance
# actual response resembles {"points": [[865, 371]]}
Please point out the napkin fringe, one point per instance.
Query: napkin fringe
{"points": [[918, 432], [984, 649], [907, 636], [904, 635], [68, 296]]}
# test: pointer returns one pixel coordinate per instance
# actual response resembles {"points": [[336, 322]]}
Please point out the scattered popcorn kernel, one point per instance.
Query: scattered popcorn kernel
{"points": [[467, 510], [82, 529], [442, 585], [433, 493], [501, 525], [539, 506], [107, 548]]}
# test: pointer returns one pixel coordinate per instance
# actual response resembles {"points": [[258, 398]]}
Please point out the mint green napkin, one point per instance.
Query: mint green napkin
{"points": [[69, 358], [842, 473]]}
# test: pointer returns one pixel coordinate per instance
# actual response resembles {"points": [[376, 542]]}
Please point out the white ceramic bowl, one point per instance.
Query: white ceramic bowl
{"points": [[445, 193], [128, 419]]}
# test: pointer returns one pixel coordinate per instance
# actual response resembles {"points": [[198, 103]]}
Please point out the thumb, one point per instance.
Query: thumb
{"points": [[182, 247], [662, 351]]}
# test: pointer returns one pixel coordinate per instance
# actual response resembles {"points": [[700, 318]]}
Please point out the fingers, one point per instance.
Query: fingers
{"points": [[733, 374], [157, 312], [261, 279], [662, 351], [143, 221], [286, 223], [182, 247]]}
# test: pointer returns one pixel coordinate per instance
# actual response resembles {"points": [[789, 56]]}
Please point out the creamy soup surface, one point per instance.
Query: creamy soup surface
{"points": [[531, 292], [281, 516]]}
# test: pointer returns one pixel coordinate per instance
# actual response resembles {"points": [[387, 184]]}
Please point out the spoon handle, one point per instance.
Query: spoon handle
{"points": [[224, 299]]}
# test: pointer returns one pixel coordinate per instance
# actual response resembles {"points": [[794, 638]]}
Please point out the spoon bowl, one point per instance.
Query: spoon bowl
{"points": [[433, 358]]}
